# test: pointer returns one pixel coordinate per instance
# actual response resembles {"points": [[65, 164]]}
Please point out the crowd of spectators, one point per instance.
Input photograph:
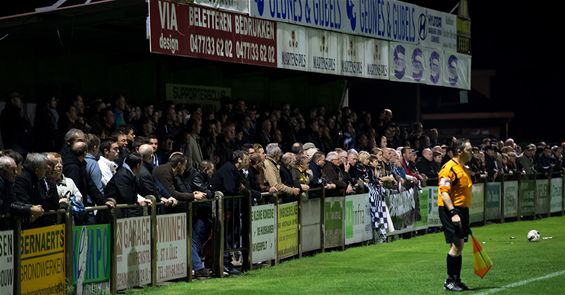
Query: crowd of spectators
{"points": [[107, 152]]}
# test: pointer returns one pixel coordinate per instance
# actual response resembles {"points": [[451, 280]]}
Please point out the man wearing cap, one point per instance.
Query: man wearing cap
{"points": [[526, 161], [309, 149]]}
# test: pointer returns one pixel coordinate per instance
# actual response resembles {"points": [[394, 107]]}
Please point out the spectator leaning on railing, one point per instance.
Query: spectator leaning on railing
{"points": [[8, 170], [32, 194]]}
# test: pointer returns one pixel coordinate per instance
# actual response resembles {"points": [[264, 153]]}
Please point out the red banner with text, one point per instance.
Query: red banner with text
{"points": [[202, 32]]}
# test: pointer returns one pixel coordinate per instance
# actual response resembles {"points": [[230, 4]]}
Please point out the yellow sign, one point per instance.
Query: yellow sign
{"points": [[287, 229], [43, 260]]}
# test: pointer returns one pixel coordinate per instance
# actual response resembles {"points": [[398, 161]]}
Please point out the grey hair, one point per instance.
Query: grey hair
{"points": [[73, 134], [332, 156], [35, 161], [6, 161], [273, 149], [288, 159], [352, 152]]}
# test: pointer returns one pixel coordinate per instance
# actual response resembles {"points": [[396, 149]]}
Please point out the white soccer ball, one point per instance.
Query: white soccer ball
{"points": [[533, 235]]}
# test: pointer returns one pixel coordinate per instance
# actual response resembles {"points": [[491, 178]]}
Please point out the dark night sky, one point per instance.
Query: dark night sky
{"points": [[518, 41]]}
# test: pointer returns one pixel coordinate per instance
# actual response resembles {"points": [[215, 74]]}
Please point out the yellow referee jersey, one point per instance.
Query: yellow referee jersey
{"points": [[454, 179]]}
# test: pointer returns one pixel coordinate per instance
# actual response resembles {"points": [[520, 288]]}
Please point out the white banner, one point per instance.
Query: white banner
{"points": [[358, 227], [556, 195], [402, 203], [311, 224], [434, 60], [263, 232], [510, 198], [241, 6], [171, 247], [376, 59], [323, 52], [408, 63], [433, 214], [292, 47], [437, 30], [7, 262], [383, 19], [352, 55], [133, 249], [457, 70]]}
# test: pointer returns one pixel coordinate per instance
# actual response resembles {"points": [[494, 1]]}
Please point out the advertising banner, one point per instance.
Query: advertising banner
{"points": [[424, 207], [287, 230], [492, 200], [376, 59], [510, 198], [408, 63], [91, 258], [323, 51], [352, 55], [402, 207], [434, 62], [43, 260], [477, 210], [168, 23], [171, 247], [433, 214], [358, 226], [263, 232], [206, 96], [333, 221], [527, 197], [543, 198], [556, 195], [7, 262], [382, 19], [457, 70], [133, 251], [241, 6], [311, 224], [202, 32], [437, 30], [292, 47]]}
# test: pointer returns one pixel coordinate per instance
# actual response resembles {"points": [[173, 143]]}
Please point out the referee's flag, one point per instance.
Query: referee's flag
{"points": [[481, 261]]}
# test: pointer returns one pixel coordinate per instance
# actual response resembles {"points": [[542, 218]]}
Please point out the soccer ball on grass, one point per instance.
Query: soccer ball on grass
{"points": [[533, 235]]}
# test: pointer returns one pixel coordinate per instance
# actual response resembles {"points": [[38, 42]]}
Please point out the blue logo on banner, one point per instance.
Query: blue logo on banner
{"points": [[423, 24], [352, 17], [260, 6], [417, 64], [399, 61], [435, 67], [452, 70]]}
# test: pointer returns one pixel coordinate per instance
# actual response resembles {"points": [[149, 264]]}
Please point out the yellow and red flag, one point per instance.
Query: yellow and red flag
{"points": [[481, 261]]}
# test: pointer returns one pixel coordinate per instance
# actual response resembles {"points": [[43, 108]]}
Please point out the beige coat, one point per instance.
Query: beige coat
{"points": [[273, 176]]}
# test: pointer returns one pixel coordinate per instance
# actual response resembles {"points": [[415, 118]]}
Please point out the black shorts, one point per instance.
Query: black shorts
{"points": [[451, 231]]}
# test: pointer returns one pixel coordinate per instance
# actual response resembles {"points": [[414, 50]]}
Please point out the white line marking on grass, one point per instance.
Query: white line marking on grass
{"points": [[522, 283]]}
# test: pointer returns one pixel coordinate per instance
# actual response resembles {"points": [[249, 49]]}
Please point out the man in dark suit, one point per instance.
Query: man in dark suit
{"points": [[123, 187], [166, 175], [8, 169], [74, 167], [145, 181], [32, 194]]}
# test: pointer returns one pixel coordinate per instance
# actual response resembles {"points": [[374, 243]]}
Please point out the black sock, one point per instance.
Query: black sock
{"points": [[458, 262], [452, 267]]}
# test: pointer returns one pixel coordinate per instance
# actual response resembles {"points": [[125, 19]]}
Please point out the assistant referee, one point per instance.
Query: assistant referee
{"points": [[454, 200]]}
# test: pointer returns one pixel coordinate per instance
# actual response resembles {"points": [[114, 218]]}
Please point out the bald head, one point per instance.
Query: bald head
{"points": [[146, 152], [8, 168], [428, 154]]}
